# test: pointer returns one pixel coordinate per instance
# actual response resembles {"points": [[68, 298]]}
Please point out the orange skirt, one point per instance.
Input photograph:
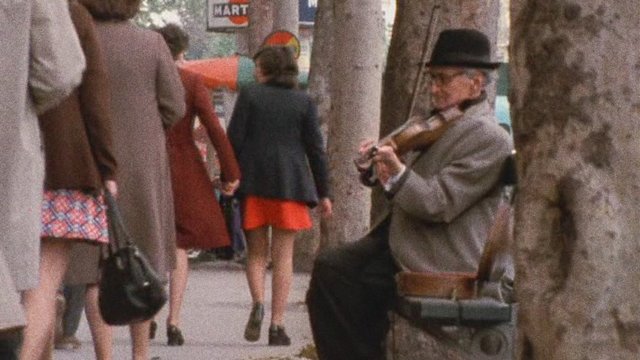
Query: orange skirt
{"points": [[281, 214]]}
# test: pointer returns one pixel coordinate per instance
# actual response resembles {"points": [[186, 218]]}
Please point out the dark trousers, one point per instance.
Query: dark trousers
{"points": [[352, 289], [74, 296]]}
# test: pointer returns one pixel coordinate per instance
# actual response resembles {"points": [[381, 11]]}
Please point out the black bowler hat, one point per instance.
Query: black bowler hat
{"points": [[462, 47]]}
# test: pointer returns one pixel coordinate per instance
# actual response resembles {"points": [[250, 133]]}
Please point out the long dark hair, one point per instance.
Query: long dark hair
{"points": [[279, 65]]}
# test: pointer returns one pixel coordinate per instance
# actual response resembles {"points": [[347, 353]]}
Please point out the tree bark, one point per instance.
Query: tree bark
{"points": [[576, 113], [356, 86], [309, 241], [250, 40], [286, 16]]}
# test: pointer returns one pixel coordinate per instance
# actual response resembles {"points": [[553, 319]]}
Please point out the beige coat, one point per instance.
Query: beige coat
{"points": [[41, 63], [146, 97], [11, 315], [443, 207]]}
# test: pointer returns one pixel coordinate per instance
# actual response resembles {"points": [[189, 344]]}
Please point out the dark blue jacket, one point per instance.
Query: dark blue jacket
{"points": [[275, 134]]}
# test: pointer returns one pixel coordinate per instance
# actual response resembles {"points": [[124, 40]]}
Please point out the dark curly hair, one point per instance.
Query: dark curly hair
{"points": [[279, 65], [177, 39], [113, 10]]}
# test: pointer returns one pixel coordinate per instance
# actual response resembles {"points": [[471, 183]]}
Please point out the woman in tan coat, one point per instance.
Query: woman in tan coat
{"points": [[146, 98]]}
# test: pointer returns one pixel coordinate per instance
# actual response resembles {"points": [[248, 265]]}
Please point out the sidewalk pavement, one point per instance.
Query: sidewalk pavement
{"points": [[216, 307]]}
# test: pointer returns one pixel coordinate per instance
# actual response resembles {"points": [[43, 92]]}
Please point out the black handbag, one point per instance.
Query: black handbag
{"points": [[130, 291]]}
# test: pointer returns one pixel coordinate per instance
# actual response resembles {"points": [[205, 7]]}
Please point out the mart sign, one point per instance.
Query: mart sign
{"points": [[227, 15]]}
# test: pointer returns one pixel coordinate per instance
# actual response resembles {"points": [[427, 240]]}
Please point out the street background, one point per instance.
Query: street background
{"points": [[216, 308]]}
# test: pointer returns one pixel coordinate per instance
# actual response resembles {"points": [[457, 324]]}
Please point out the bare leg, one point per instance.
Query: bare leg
{"points": [[140, 340], [178, 286], [101, 332], [48, 349], [257, 251], [40, 302], [282, 257]]}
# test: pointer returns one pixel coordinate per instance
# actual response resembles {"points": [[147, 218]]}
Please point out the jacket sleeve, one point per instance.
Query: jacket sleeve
{"points": [[473, 169], [208, 118], [57, 61], [314, 148], [238, 127], [169, 90], [94, 96]]}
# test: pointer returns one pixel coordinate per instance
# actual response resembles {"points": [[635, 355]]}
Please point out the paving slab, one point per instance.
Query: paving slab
{"points": [[216, 307]]}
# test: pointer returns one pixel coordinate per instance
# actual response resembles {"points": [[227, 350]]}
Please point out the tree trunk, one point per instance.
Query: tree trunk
{"points": [[403, 61], [356, 86], [260, 25], [286, 16], [309, 241], [574, 96]]}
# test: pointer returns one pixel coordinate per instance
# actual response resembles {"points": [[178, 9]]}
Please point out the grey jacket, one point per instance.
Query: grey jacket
{"points": [[445, 202], [42, 64]]}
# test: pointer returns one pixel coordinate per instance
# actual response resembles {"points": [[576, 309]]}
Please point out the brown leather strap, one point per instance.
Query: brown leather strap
{"points": [[439, 285]]}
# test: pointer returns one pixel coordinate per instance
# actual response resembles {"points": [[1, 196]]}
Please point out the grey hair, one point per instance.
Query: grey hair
{"points": [[488, 74]]}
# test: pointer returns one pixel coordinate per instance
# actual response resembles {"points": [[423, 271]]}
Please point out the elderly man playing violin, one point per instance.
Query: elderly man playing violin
{"points": [[442, 199]]}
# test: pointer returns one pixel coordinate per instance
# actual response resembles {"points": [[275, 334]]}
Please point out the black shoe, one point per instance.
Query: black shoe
{"points": [[252, 331], [278, 337], [152, 330], [174, 336]]}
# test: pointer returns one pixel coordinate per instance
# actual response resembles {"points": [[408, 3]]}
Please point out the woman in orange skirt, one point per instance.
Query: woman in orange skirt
{"points": [[275, 134]]}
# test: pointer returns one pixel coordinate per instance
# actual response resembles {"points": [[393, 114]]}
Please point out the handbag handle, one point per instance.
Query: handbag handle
{"points": [[119, 238]]}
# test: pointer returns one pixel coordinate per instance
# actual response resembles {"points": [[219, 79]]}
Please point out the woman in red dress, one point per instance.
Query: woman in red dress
{"points": [[199, 220]]}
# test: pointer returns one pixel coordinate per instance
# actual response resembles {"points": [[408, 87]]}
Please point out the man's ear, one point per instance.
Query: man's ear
{"points": [[479, 81]]}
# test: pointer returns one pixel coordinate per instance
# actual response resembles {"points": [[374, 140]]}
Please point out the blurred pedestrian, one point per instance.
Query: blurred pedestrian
{"points": [[199, 219], [275, 133], [42, 64], [79, 164], [146, 98], [74, 296]]}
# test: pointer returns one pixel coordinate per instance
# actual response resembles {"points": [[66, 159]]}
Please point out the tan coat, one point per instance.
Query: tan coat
{"points": [[41, 63], [146, 97], [444, 205]]}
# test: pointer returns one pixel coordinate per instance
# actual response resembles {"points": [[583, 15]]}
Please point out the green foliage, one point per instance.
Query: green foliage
{"points": [[191, 15]]}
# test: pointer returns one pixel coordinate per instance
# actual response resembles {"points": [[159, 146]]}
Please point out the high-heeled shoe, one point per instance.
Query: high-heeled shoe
{"points": [[278, 336], [252, 330], [152, 330], [174, 336]]}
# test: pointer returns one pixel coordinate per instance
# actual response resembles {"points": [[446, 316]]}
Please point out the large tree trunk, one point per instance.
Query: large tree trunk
{"points": [[309, 241], [403, 61], [355, 87], [574, 97], [260, 25], [286, 16]]}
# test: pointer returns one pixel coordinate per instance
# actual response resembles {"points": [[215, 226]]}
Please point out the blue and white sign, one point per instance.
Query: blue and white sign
{"points": [[307, 11]]}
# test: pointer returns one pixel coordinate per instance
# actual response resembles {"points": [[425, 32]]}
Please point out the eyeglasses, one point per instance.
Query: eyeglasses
{"points": [[442, 79]]}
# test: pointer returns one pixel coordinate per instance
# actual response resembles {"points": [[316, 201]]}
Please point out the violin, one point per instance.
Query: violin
{"points": [[416, 133]]}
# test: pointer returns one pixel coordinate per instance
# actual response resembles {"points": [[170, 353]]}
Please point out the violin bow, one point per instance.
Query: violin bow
{"points": [[433, 20]]}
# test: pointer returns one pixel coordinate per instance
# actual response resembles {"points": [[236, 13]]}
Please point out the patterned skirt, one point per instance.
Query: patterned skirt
{"points": [[73, 214]]}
